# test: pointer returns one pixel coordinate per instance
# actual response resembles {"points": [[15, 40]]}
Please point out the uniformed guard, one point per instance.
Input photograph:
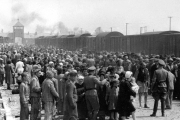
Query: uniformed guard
{"points": [[160, 87], [91, 95]]}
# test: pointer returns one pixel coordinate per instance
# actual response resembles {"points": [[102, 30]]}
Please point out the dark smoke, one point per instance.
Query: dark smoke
{"points": [[20, 12], [60, 28]]}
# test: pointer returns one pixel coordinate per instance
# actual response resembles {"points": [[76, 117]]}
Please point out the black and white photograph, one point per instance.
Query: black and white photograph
{"points": [[90, 60]]}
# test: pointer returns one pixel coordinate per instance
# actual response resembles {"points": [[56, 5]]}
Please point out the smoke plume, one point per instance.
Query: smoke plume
{"points": [[19, 12]]}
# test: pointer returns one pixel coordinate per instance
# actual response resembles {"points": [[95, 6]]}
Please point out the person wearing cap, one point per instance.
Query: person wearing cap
{"points": [[60, 76], [24, 97], [143, 80], [170, 66], [91, 95], [81, 103], [160, 87], [49, 95], [35, 93], [71, 97], [126, 64]]}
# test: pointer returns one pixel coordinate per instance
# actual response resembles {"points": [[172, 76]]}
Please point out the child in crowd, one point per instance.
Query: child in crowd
{"points": [[112, 97]]}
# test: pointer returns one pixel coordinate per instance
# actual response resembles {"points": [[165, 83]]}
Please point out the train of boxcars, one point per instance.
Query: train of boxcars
{"points": [[166, 42]]}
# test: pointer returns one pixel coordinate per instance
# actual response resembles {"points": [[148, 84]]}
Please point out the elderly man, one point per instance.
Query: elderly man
{"points": [[172, 80], [35, 93], [49, 95], [71, 98], [160, 87], [24, 97]]}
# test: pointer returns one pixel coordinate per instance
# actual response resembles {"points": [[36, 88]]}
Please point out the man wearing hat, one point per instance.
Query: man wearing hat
{"points": [[160, 87], [71, 97], [91, 96], [170, 66], [35, 93], [49, 95]]}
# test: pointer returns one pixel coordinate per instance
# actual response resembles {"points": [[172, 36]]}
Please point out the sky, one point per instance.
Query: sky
{"points": [[64, 16]]}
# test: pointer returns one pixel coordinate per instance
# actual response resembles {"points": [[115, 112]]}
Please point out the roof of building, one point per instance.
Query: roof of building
{"points": [[83, 35], [4, 34], [109, 34], [18, 24], [160, 32]]}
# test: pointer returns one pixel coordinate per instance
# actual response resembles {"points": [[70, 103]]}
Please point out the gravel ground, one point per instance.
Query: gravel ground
{"points": [[142, 114]]}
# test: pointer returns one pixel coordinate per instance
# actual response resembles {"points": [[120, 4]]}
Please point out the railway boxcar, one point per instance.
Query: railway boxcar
{"points": [[165, 42], [104, 41]]}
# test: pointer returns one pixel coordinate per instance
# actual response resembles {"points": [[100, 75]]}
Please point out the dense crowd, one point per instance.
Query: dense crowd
{"points": [[87, 84]]}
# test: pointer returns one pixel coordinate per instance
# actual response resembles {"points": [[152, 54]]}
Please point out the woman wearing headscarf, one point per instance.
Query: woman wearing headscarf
{"points": [[81, 103], [124, 103], [9, 74]]}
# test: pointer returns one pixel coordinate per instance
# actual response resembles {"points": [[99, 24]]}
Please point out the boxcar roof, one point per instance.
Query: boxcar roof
{"points": [[83, 35], [109, 34], [160, 32]]}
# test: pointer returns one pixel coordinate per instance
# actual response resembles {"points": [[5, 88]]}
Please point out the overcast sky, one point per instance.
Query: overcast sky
{"points": [[90, 14]]}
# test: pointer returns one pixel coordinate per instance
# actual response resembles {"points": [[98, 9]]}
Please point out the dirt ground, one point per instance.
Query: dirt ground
{"points": [[12, 102]]}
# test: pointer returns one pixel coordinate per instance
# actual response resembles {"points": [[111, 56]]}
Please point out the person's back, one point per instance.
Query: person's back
{"points": [[161, 74], [48, 91]]}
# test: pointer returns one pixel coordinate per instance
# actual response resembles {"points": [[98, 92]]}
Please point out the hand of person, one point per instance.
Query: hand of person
{"points": [[104, 81]]}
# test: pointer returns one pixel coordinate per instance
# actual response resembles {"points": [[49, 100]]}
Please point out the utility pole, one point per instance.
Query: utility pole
{"points": [[141, 30], [169, 23], [126, 28], [111, 29], [81, 30]]}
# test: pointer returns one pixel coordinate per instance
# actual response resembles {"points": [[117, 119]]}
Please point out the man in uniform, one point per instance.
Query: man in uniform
{"points": [[71, 98], [35, 93], [160, 87], [91, 95]]}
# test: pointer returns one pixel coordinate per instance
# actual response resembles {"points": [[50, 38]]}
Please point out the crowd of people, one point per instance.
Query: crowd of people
{"points": [[87, 84]]}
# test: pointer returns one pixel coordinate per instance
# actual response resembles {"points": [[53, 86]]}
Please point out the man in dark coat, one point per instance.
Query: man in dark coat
{"points": [[71, 97], [160, 87], [9, 74]]}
